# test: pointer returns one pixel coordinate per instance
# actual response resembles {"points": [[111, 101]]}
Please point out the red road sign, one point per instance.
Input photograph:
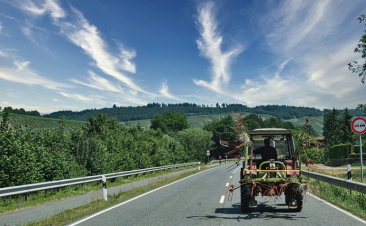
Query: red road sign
{"points": [[358, 125]]}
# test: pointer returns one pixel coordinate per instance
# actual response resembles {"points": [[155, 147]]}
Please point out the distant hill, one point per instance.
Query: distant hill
{"points": [[125, 114]]}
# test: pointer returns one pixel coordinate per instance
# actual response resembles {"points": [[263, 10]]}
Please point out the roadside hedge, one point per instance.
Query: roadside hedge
{"points": [[340, 151], [356, 149], [103, 145]]}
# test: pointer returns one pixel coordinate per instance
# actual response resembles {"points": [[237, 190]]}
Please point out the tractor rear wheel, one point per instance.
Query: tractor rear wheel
{"points": [[299, 199], [245, 198]]}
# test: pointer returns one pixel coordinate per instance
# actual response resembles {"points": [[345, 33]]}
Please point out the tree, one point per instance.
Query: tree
{"points": [[361, 48], [170, 121], [222, 128]]}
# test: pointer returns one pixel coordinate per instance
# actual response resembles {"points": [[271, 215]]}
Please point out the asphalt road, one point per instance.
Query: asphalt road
{"points": [[198, 200]]}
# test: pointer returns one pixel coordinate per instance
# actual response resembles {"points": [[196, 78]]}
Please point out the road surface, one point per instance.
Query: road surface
{"points": [[199, 200]]}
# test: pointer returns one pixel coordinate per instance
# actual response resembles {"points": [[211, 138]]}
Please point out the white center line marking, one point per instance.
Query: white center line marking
{"points": [[231, 176], [222, 199], [227, 184]]}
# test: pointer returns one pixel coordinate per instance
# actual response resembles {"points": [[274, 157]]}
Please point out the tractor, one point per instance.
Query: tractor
{"points": [[273, 177]]}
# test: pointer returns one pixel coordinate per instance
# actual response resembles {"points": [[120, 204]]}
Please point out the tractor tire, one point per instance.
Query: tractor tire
{"points": [[245, 198], [299, 198]]}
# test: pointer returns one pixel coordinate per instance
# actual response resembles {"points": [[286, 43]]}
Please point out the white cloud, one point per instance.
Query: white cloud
{"points": [[209, 45], [86, 36], [3, 54], [86, 99], [267, 90], [47, 6], [165, 92], [97, 82], [23, 74]]}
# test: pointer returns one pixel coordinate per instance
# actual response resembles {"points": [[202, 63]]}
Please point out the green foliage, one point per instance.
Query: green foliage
{"points": [[317, 156], [148, 112], [337, 127], [361, 48], [355, 155], [340, 151], [356, 149], [195, 142], [103, 145], [221, 128], [21, 111], [254, 121], [170, 121]]}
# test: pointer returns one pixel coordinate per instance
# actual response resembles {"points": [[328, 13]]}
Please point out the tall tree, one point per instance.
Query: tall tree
{"points": [[361, 48], [170, 121]]}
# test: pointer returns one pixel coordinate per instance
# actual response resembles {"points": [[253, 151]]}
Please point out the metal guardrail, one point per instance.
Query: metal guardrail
{"points": [[223, 160], [24, 189], [356, 186]]}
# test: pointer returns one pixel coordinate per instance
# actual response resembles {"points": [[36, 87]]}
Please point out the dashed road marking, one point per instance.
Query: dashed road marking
{"points": [[231, 176], [227, 184], [222, 199]]}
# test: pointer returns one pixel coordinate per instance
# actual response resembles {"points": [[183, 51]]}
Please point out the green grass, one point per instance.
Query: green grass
{"points": [[71, 215], [12, 203]]}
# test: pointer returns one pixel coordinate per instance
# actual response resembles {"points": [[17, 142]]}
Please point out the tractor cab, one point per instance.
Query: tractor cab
{"points": [[282, 141]]}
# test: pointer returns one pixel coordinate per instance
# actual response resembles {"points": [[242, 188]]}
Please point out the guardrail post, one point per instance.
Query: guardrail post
{"points": [[104, 182], [26, 197]]}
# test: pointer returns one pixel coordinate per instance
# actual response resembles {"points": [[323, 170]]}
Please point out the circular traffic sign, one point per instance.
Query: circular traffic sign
{"points": [[358, 125]]}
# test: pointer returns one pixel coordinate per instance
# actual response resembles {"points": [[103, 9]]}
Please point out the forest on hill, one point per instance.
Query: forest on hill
{"points": [[150, 110]]}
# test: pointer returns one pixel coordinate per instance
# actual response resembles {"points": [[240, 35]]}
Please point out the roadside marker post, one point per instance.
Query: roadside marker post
{"points": [[349, 175], [104, 182], [358, 126], [208, 155]]}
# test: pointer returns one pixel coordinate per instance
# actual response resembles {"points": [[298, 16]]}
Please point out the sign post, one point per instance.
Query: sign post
{"points": [[208, 155], [358, 126]]}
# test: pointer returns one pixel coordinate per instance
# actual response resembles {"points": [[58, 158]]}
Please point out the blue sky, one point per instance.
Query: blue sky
{"points": [[75, 55]]}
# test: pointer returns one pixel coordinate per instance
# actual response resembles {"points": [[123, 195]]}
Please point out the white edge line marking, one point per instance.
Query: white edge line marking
{"points": [[336, 207], [130, 200], [231, 176], [222, 199], [227, 184]]}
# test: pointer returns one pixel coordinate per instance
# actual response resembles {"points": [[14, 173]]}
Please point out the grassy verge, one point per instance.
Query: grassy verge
{"points": [[12, 203], [71, 215], [354, 202], [340, 173]]}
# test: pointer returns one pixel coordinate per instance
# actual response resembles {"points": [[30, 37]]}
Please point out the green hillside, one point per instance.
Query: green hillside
{"points": [[39, 122], [196, 121]]}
